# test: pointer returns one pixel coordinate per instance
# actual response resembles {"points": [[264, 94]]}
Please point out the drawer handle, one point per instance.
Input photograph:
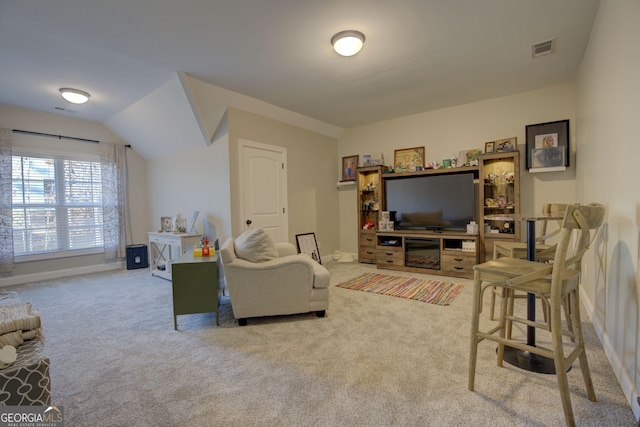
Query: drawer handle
{"points": [[458, 259], [390, 261], [388, 253], [458, 268], [369, 253], [369, 239]]}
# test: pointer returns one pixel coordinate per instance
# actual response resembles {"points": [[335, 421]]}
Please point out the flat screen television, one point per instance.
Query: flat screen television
{"points": [[432, 202]]}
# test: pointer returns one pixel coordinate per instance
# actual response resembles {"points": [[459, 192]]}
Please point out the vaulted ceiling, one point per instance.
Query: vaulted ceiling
{"points": [[419, 55]]}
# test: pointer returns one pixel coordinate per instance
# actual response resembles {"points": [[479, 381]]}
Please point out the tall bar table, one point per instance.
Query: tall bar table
{"points": [[521, 358]]}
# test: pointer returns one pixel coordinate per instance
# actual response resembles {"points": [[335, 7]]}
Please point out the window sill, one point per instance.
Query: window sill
{"points": [[56, 255]]}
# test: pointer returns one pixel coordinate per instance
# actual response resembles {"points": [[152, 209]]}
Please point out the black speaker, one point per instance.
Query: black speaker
{"points": [[137, 257]]}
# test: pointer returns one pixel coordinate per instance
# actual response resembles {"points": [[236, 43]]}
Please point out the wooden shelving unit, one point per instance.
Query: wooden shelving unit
{"points": [[371, 202], [499, 193]]}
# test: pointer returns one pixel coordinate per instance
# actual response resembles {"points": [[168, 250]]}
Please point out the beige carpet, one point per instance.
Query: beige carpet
{"points": [[373, 361]]}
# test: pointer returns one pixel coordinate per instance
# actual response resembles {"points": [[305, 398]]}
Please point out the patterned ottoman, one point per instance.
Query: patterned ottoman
{"points": [[26, 381]]}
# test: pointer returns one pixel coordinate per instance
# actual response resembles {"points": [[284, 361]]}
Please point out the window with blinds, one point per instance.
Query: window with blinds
{"points": [[57, 206]]}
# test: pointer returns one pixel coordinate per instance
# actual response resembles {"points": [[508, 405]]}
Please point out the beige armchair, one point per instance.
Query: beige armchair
{"points": [[268, 279]]}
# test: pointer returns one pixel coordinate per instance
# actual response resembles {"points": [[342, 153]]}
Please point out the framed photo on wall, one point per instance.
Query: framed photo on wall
{"points": [[307, 244], [408, 159], [548, 146], [349, 165]]}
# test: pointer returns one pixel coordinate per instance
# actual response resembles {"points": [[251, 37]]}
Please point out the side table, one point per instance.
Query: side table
{"points": [[196, 282], [161, 251]]}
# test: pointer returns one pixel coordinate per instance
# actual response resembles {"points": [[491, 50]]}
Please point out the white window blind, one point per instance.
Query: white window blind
{"points": [[57, 205]]}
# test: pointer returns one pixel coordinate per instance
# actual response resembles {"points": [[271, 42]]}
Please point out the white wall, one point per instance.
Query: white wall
{"points": [[189, 181], [446, 132], [17, 118], [608, 112]]}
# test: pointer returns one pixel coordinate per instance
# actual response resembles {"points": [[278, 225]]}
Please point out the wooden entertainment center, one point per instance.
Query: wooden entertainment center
{"points": [[441, 252], [448, 253]]}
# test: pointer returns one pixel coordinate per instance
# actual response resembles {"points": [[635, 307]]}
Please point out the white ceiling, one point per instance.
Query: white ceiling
{"points": [[419, 55]]}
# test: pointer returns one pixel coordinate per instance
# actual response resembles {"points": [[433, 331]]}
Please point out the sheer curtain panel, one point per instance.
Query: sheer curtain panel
{"points": [[112, 160], [7, 261]]}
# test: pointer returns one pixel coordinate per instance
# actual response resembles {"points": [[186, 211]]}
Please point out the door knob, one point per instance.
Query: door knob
{"points": [[248, 222]]}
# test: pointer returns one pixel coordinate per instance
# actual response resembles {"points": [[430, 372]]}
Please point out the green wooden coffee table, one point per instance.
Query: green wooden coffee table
{"points": [[195, 282]]}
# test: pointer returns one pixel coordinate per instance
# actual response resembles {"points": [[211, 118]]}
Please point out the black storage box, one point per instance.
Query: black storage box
{"points": [[137, 257]]}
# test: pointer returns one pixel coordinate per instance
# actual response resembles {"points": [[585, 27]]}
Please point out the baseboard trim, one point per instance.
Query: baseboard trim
{"points": [[626, 382], [58, 274]]}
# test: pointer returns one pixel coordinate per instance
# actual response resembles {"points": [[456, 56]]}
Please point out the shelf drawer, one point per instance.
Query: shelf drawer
{"points": [[459, 269], [466, 260], [390, 256], [367, 255], [368, 239], [458, 264]]}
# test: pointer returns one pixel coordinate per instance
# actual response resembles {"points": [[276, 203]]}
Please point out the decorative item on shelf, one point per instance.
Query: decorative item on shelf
{"points": [[502, 201], [369, 205], [165, 223], [205, 246], [509, 177], [446, 163], [454, 161], [179, 224], [407, 159], [472, 228], [506, 144], [469, 245], [385, 225], [366, 160], [369, 225], [489, 147], [469, 157], [370, 187], [192, 229], [432, 165], [203, 249]]}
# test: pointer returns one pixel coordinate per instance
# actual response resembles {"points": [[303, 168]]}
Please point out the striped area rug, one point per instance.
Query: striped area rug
{"points": [[431, 291]]}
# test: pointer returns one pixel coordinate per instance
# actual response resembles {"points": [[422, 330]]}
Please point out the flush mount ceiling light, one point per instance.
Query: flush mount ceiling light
{"points": [[74, 96], [348, 43]]}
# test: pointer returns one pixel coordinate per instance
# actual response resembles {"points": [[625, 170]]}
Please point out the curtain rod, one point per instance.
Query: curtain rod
{"points": [[28, 132]]}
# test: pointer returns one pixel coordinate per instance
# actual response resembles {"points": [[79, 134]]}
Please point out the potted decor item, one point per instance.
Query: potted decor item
{"points": [[179, 224]]}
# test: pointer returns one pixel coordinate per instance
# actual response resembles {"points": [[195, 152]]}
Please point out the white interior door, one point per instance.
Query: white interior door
{"points": [[263, 185]]}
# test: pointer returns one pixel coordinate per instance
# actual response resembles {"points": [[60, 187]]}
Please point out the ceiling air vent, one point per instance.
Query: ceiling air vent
{"points": [[543, 48], [64, 109]]}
